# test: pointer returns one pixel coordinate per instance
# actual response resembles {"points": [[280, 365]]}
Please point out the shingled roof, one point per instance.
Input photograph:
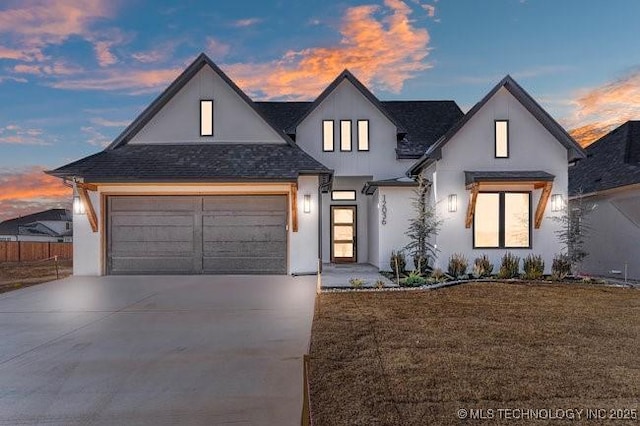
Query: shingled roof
{"points": [[423, 121], [12, 226], [194, 163], [612, 161]]}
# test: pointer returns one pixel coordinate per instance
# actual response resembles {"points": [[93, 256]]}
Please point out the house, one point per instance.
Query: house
{"points": [[494, 176], [609, 180], [53, 225], [207, 181]]}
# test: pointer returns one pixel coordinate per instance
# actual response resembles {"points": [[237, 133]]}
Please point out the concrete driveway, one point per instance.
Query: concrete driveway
{"points": [[155, 350]]}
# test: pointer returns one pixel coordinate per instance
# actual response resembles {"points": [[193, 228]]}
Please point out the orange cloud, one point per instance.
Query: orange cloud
{"points": [[30, 190], [379, 44], [599, 110]]}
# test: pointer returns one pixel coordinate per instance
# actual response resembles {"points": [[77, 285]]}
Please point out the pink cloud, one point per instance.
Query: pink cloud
{"points": [[29, 190], [248, 22], [132, 81], [379, 44], [103, 53], [216, 49], [15, 135], [599, 110]]}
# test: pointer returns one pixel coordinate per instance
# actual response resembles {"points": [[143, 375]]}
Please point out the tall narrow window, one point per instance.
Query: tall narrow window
{"points": [[345, 135], [502, 220], [327, 135], [206, 118], [363, 135], [502, 138]]}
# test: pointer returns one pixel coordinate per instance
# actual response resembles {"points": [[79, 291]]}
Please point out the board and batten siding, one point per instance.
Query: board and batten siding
{"points": [[233, 119], [531, 147]]}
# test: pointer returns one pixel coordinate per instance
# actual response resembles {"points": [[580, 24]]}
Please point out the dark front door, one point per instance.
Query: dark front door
{"points": [[343, 234]]}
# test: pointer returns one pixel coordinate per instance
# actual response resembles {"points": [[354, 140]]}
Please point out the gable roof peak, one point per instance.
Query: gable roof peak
{"points": [[158, 103]]}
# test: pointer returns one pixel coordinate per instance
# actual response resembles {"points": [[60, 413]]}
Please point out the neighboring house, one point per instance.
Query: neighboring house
{"points": [[608, 181], [493, 176], [207, 181], [53, 225]]}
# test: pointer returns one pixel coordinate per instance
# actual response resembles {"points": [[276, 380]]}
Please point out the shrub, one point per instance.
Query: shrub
{"points": [[533, 267], [414, 280], [397, 262], [379, 284], [457, 265], [437, 274], [561, 267], [356, 282], [482, 267], [510, 267]]}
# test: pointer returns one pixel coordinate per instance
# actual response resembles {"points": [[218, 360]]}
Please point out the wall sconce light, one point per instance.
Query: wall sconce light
{"points": [[306, 205], [557, 202], [78, 205], [453, 203]]}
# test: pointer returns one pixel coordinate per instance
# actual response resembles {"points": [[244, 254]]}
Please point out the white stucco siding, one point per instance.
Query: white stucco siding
{"points": [[613, 238], [87, 253], [347, 103], [302, 245], [362, 216], [373, 230], [399, 213], [531, 148], [234, 120]]}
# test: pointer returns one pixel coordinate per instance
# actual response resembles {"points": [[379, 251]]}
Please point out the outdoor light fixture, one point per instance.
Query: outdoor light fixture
{"points": [[557, 202], [453, 203], [306, 206], [78, 205]]}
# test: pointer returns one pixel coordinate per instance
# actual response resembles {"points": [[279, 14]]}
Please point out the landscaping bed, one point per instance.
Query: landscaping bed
{"points": [[417, 357], [14, 275]]}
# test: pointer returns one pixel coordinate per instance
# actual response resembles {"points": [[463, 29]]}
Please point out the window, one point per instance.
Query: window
{"points": [[206, 118], [68, 226], [327, 135], [502, 220], [345, 135], [363, 135], [502, 138], [343, 195]]}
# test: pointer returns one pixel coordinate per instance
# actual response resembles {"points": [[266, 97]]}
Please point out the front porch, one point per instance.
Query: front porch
{"points": [[338, 275]]}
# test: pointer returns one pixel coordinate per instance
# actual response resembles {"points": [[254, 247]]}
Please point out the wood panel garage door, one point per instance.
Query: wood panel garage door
{"points": [[229, 234]]}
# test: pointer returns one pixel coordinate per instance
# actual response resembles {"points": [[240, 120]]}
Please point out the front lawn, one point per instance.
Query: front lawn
{"points": [[14, 275], [416, 358]]}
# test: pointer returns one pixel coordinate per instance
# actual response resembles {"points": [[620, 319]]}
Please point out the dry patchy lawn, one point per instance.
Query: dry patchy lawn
{"points": [[14, 275], [415, 358]]}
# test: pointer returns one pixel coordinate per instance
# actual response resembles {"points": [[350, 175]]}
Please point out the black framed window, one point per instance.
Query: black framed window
{"points": [[363, 135], [501, 132], [345, 135], [502, 220], [341, 195], [327, 136], [206, 117]]}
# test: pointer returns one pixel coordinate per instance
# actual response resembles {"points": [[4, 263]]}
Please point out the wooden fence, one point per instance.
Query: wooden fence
{"points": [[28, 251]]}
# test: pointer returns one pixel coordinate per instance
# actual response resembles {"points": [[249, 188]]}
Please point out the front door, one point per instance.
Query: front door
{"points": [[343, 234]]}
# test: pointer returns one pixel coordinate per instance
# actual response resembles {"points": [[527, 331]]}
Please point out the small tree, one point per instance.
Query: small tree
{"points": [[422, 227], [574, 230]]}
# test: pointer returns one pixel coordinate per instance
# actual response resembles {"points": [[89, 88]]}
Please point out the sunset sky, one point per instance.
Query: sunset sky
{"points": [[74, 73]]}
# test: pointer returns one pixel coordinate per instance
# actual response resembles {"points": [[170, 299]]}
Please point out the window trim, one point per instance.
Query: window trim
{"points": [[350, 136], [344, 199], [333, 136], [501, 222], [495, 138], [212, 122], [358, 121]]}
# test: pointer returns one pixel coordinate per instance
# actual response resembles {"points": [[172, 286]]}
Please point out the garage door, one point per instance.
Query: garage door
{"points": [[194, 235]]}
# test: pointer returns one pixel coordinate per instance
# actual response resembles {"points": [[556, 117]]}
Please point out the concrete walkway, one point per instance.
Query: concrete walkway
{"points": [[338, 275], [155, 351]]}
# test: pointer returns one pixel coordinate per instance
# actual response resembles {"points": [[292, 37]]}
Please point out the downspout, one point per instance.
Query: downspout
{"points": [[319, 228]]}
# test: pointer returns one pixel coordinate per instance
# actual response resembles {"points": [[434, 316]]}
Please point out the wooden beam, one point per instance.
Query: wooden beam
{"points": [[88, 208], [294, 207], [87, 186], [542, 204], [471, 209]]}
